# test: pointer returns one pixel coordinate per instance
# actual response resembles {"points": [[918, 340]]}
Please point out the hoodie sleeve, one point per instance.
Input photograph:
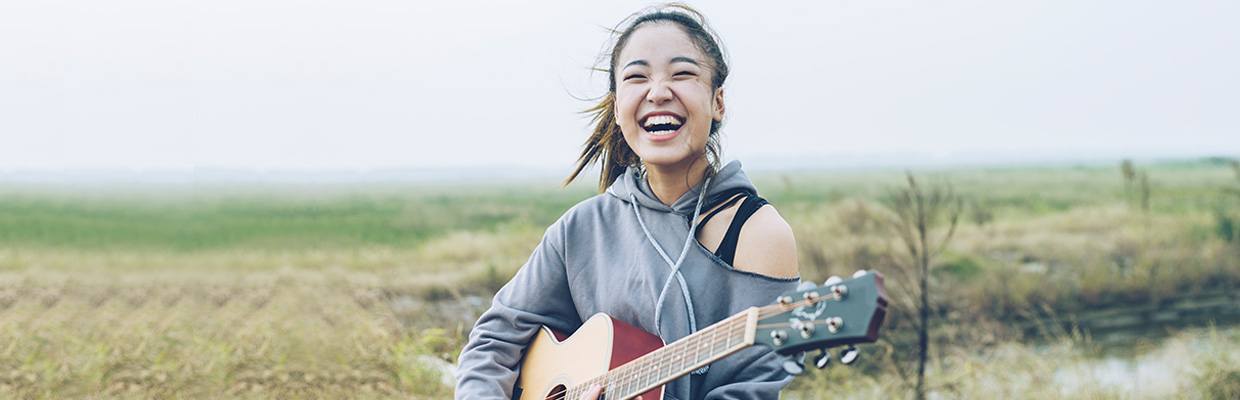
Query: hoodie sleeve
{"points": [[763, 378], [538, 295]]}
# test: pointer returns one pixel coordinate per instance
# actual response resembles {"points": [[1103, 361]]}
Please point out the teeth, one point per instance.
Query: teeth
{"points": [[661, 120]]}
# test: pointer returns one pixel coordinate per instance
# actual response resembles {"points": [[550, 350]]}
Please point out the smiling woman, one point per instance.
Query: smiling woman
{"points": [[657, 137]]}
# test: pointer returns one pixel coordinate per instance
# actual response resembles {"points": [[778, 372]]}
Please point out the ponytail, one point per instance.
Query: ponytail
{"points": [[605, 143]]}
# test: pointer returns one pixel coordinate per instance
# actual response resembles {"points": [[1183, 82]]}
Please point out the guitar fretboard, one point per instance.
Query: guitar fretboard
{"points": [[674, 360]]}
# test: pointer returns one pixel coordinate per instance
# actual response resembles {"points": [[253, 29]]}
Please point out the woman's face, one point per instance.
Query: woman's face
{"points": [[665, 102]]}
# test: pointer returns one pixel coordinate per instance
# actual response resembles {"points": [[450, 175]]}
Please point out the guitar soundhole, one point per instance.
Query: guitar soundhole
{"points": [[557, 393]]}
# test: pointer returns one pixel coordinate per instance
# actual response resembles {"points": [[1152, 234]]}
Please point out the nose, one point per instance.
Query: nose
{"points": [[660, 93]]}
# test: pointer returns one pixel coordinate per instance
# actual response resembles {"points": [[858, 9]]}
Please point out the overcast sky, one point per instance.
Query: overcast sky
{"points": [[377, 84]]}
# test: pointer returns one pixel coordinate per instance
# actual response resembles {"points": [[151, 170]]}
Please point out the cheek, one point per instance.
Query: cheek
{"points": [[693, 93], [625, 109], [625, 104]]}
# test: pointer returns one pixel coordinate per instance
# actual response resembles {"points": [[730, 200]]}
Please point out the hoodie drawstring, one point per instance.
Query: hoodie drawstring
{"points": [[675, 266]]}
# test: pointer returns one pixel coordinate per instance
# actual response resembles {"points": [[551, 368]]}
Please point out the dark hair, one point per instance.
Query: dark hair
{"points": [[607, 141]]}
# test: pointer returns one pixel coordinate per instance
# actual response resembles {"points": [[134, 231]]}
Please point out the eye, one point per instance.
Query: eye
{"points": [[685, 73], [634, 76]]}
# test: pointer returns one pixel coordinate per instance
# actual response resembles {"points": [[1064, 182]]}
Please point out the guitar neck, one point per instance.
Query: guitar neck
{"points": [[676, 359]]}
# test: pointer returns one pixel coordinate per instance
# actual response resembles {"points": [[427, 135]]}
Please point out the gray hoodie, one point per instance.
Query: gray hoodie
{"points": [[597, 258]]}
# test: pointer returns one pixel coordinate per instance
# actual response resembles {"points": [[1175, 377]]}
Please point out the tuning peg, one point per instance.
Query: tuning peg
{"points": [[859, 273], [834, 324], [793, 365], [806, 285], [834, 279], [849, 355], [823, 358]]}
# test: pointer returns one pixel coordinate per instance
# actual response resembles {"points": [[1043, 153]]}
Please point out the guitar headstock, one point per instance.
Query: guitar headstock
{"points": [[841, 312]]}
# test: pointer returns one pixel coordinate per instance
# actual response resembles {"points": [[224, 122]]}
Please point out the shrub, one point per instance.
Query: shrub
{"points": [[1226, 226]]}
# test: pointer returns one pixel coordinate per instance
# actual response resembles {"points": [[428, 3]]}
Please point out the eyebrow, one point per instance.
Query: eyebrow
{"points": [[683, 59], [673, 61], [637, 62]]}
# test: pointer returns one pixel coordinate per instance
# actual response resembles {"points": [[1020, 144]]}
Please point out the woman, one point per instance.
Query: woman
{"points": [[653, 249]]}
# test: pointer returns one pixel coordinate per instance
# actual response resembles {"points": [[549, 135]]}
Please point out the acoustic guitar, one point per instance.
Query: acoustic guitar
{"points": [[627, 361]]}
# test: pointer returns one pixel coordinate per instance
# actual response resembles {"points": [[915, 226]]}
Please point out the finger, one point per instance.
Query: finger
{"points": [[592, 393]]}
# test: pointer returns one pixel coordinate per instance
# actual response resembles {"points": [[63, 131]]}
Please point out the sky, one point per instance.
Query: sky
{"points": [[275, 85]]}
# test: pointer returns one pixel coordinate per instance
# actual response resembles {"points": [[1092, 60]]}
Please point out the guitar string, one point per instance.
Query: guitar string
{"points": [[789, 324], [763, 313]]}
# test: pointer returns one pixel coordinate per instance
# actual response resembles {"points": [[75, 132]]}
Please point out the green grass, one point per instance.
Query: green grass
{"points": [[292, 218]]}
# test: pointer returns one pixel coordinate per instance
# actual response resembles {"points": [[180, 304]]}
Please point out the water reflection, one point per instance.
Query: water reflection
{"points": [[1132, 365]]}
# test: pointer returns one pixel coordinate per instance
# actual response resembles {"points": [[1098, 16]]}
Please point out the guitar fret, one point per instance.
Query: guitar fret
{"points": [[649, 372], [700, 356], [714, 343], [629, 372], [679, 364], [692, 343], [638, 372], [727, 342]]}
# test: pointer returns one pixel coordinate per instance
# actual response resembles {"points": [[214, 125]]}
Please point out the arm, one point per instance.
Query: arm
{"points": [[538, 295]]}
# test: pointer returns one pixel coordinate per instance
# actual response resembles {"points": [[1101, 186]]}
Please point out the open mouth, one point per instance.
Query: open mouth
{"points": [[660, 125]]}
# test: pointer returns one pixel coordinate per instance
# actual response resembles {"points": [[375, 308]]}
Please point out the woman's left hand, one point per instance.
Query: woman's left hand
{"points": [[593, 393]]}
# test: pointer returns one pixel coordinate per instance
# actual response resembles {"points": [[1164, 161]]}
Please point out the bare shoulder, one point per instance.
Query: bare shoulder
{"points": [[767, 246]]}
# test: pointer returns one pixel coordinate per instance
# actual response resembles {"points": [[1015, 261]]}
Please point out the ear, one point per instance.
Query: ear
{"points": [[717, 112], [615, 109]]}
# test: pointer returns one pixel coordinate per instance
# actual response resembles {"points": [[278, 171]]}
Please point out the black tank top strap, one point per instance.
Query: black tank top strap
{"points": [[727, 247], [717, 210], [729, 195]]}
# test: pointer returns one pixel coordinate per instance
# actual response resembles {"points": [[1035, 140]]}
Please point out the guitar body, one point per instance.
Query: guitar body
{"points": [[555, 361]]}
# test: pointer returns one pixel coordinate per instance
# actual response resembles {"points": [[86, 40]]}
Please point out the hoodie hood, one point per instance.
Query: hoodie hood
{"points": [[632, 183]]}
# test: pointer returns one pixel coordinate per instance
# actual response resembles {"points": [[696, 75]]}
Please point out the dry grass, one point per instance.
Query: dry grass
{"points": [[244, 323], [285, 333], [1085, 257]]}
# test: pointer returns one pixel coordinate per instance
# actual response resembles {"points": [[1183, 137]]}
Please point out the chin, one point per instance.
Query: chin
{"points": [[672, 159]]}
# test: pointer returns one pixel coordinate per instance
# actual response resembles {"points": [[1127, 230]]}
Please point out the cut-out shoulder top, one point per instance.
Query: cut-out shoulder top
{"points": [[750, 203]]}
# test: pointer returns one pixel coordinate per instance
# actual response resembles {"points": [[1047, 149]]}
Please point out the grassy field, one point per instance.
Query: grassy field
{"points": [[367, 291]]}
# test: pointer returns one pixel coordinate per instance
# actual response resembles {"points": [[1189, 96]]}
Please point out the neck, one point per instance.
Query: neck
{"points": [[670, 182]]}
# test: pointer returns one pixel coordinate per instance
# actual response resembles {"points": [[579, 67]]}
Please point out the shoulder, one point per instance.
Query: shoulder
{"points": [[589, 215], [593, 208], [767, 246]]}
